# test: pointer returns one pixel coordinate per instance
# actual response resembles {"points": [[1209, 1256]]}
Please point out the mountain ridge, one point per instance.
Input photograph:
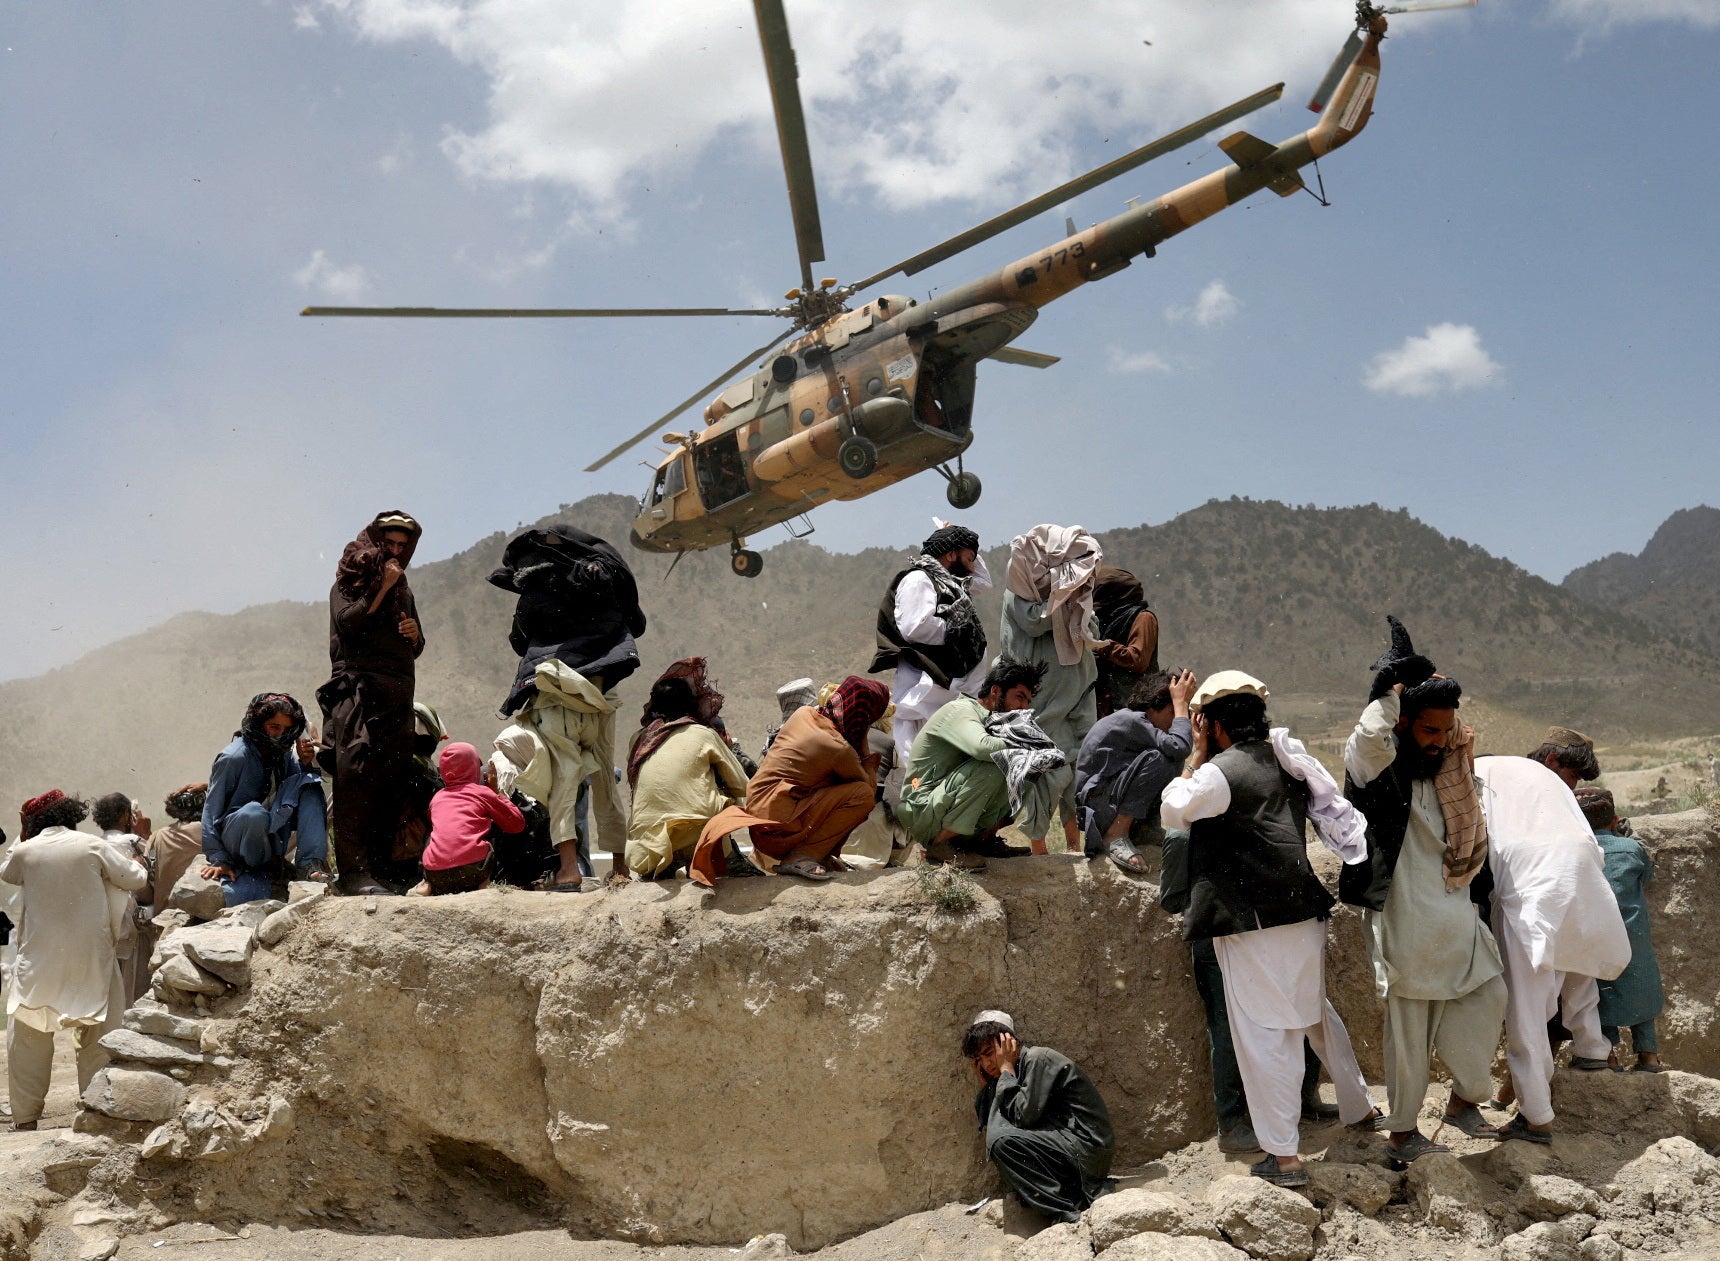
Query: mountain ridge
{"points": [[1295, 595]]}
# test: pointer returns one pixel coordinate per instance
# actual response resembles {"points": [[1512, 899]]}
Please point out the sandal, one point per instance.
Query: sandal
{"points": [[315, 873], [805, 868], [1588, 1064], [1373, 1122], [1125, 857], [1640, 1067], [565, 886], [1414, 1148], [1270, 1170], [1518, 1127], [1468, 1118]]}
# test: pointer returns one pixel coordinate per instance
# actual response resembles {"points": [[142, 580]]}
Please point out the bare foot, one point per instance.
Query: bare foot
{"points": [[419, 890]]}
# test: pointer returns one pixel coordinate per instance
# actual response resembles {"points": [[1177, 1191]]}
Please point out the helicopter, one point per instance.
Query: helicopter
{"points": [[854, 399]]}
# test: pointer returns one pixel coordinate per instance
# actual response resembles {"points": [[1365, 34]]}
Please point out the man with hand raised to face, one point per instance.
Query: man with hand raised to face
{"points": [[374, 643], [1410, 768], [1046, 1128]]}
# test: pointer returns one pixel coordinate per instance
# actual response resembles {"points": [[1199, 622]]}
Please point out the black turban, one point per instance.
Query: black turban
{"points": [[1402, 664], [949, 538]]}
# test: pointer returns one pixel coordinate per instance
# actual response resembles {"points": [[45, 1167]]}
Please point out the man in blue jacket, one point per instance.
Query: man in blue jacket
{"points": [[263, 788]]}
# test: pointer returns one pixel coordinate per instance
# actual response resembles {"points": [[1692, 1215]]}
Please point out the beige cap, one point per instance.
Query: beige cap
{"points": [[995, 1018], [1227, 683], [1565, 738]]}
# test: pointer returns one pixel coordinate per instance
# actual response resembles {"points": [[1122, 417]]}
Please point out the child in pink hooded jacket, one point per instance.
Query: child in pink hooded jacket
{"points": [[457, 859]]}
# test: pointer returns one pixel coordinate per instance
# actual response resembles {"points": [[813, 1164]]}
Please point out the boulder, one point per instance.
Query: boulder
{"points": [[1549, 1241], [1139, 1211], [766, 1248], [148, 1048], [134, 1094], [1365, 1188], [1265, 1221], [1600, 1248], [67, 1163], [251, 914], [199, 898], [283, 921], [1060, 1242], [147, 1016], [1151, 1247], [180, 975], [1673, 1176], [223, 948], [1545, 1197], [170, 919]]}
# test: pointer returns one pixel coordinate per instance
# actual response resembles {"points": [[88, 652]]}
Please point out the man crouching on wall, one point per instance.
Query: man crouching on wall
{"points": [[1045, 1125]]}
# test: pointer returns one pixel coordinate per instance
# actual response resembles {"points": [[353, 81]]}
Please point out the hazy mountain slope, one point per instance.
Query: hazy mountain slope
{"points": [[1295, 595], [1673, 586]]}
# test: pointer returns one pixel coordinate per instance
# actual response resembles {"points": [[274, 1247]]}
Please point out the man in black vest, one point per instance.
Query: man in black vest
{"points": [[1410, 767], [929, 631], [1254, 893]]}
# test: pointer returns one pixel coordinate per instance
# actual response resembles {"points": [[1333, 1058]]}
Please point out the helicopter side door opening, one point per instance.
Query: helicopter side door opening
{"points": [[719, 471]]}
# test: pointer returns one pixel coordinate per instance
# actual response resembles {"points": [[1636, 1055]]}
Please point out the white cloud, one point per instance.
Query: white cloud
{"points": [[1603, 15], [304, 19], [326, 279], [1215, 305], [1128, 362], [1449, 357], [969, 100]]}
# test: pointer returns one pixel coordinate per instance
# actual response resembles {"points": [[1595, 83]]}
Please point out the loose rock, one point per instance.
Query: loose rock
{"points": [[1266, 1221], [134, 1095], [156, 1019], [199, 898], [147, 1048], [1062, 1241], [1365, 1188], [1549, 1241], [1546, 1198], [179, 975], [223, 948], [1139, 1211], [1449, 1197], [1173, 1248]]}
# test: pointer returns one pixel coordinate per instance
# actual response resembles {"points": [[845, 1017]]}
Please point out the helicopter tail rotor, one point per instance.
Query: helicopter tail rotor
{"points": [[1366, 14]]}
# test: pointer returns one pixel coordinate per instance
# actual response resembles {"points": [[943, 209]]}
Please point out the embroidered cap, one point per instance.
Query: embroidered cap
{"points": [[994, 1018]]}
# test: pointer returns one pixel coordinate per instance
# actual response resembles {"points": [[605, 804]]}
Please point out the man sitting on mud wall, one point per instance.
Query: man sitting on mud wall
{"points": [[1046, 1128], [1125, 762], [264, 789], [954, 796]]}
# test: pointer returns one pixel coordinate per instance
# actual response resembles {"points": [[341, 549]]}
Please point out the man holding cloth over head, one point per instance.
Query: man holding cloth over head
{"points": [[1245, 796], [1410, 768]]}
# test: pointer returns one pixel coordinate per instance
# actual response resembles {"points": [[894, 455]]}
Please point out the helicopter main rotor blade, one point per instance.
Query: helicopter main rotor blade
{"points": [[1415, 6], [499, 313], [1348, 53], [692, 398], [784, 75], [1063, 192]]}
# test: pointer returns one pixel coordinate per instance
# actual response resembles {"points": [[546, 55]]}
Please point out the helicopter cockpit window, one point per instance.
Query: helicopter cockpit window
{"points": [[670, 481], [719, 470]]}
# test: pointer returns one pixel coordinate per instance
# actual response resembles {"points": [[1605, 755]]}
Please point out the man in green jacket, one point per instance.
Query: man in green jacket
{"points": [[954, 796]]}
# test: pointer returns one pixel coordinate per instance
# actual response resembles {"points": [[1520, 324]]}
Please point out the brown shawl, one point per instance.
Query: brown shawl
{"points": [[1460, 804]]}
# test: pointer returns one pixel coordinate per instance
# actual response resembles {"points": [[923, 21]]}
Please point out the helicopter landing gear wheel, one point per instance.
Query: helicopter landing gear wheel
{"points": [[963, 490], [746, 564], [858, 457]]}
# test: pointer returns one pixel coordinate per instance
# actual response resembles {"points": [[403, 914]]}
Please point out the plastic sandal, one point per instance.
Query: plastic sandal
{"points": [[1125, 857], [805, 868], [1414, 1148], [1271, 1172], [1518, 1128], [1468, 1118]]}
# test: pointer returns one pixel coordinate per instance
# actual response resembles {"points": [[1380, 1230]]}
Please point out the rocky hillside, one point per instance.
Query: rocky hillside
{"points": [[1295, 595], [1672, 586]]}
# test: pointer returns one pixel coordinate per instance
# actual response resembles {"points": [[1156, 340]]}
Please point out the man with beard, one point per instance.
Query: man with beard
{"points": [[1568, 754], [1410, 767], [67, 976], [374, 644], [929, 631], [815, 786], [575, 623], [127, 827], [1245, 797], [174, 848], [263, 789], [954, 795]]}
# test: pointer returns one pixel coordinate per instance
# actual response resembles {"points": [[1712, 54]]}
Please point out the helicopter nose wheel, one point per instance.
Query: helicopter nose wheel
{"points": [[858, 457], [746, 564], [963, 490]]}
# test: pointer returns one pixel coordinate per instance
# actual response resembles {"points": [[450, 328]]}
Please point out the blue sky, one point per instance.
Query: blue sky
{"points": [[1504, 322]]}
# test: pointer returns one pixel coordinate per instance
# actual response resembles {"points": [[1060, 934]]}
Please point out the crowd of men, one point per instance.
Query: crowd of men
{"points": [[1496, 893]]}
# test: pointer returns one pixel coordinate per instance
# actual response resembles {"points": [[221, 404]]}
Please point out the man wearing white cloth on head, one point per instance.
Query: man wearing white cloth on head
{"points": [[1245, 796], [1557, 924]]}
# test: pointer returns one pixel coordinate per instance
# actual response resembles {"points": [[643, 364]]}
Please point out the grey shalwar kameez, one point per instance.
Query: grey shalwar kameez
{"points": [[1124, 765], [1066, 703], [1435, 962], [1047, 1131]]}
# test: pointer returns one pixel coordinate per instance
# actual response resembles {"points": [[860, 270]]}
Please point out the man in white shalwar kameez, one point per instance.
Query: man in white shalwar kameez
{"points": [[930, 632], [76, 894], [1245, 796], [1558, 926]]}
